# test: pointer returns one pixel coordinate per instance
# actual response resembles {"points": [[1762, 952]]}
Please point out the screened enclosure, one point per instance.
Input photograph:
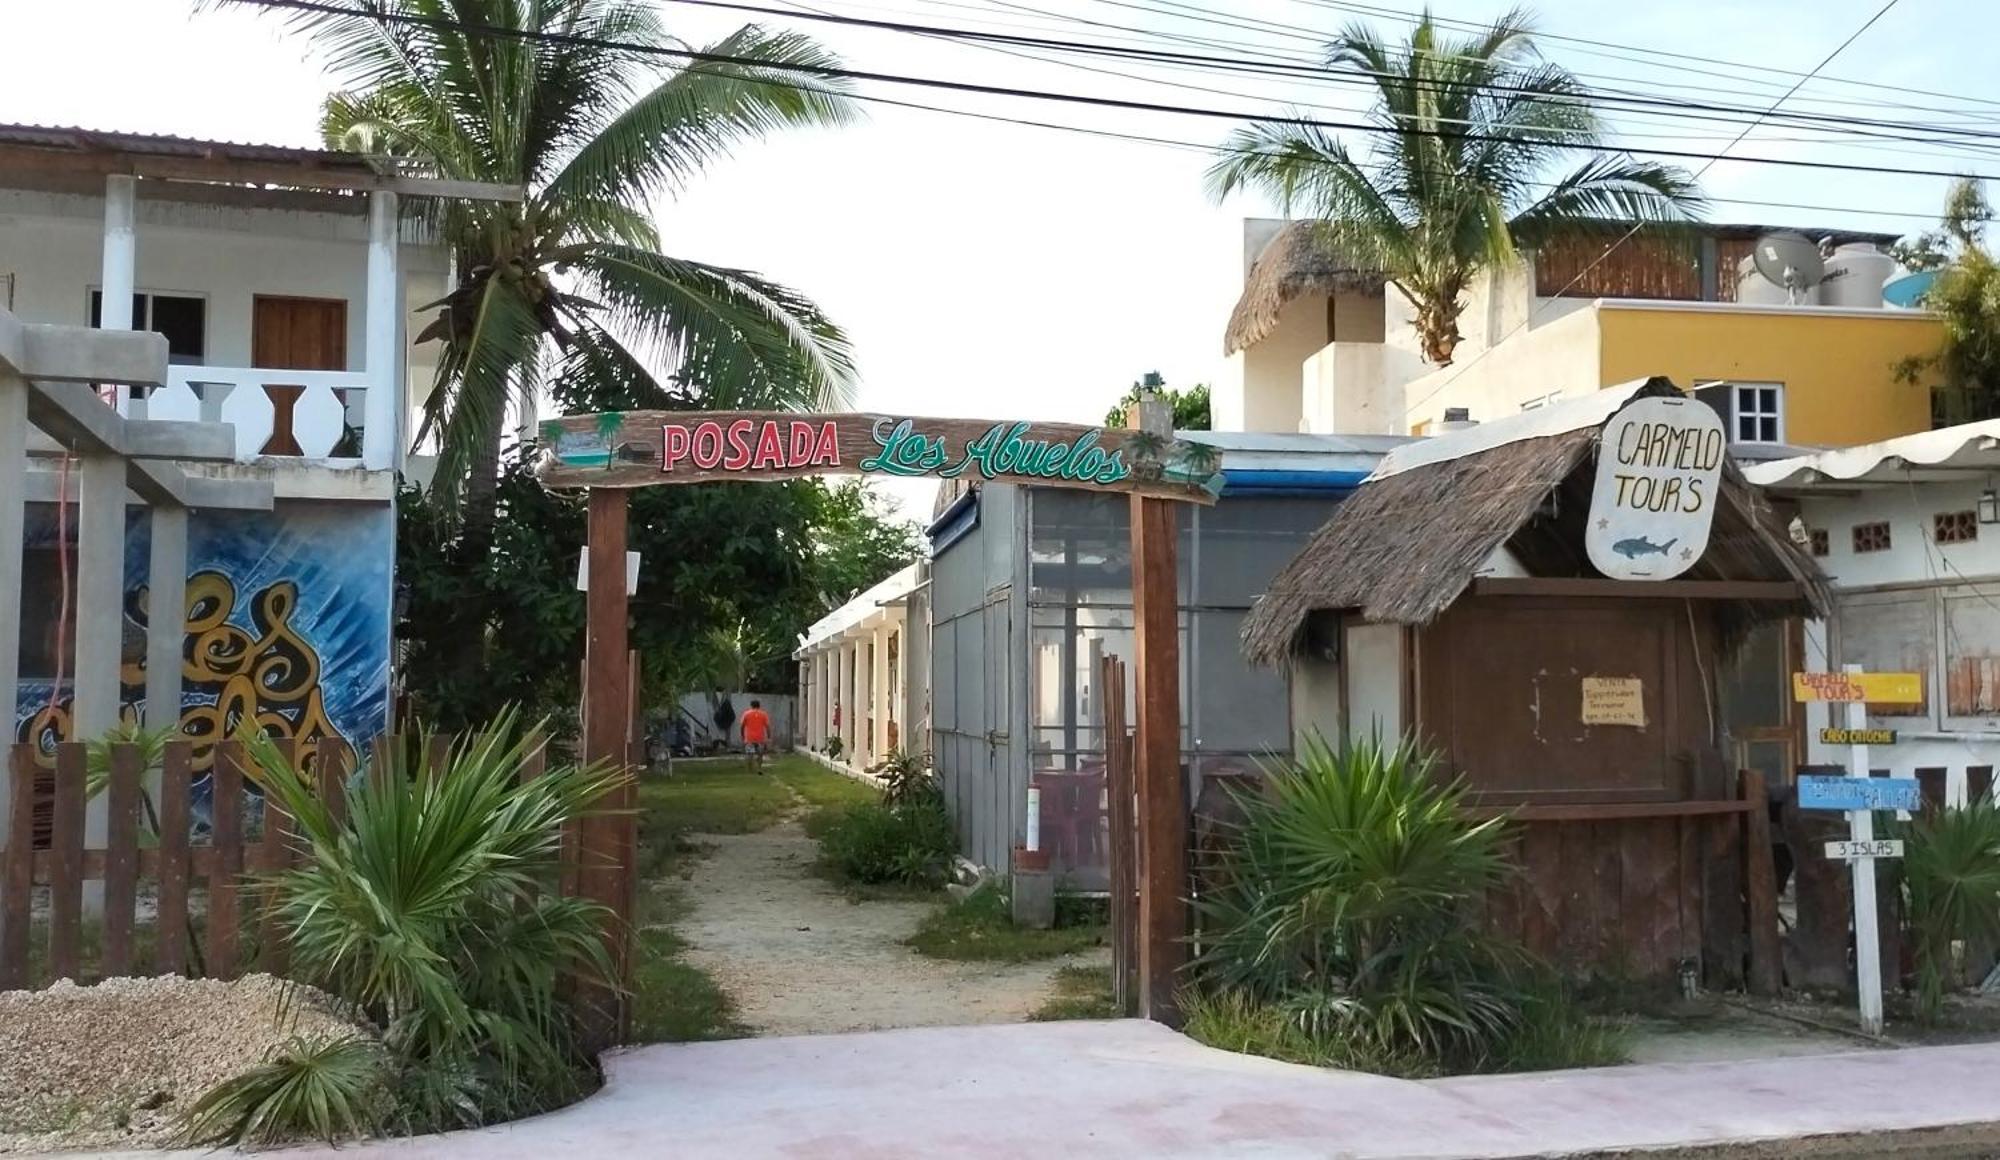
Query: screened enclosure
{"points": [[1065, 581]]}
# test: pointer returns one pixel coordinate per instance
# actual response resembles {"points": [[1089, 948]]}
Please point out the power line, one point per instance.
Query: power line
{"points": [[1594, 98], [838, 73], [1628, 234]]}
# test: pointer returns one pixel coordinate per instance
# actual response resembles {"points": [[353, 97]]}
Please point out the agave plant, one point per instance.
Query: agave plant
{"points": [[1951, 881], [431, 908], [1340, 901]]}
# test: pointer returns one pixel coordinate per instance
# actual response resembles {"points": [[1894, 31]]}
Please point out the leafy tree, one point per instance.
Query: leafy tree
{"points": [[569, 286], [1471, 127], [1964, 372], [1190, 406], [858, 542]]}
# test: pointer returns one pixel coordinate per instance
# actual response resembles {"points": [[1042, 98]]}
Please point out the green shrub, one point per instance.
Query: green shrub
{"points": [[876, 843], [1339, 906], [1951, 884], [906, 778], [431, 909], [326, 1089], [980, 928]]}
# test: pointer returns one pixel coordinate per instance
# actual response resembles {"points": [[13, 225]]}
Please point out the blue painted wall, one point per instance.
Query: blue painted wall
{"points": [[288, 621]]}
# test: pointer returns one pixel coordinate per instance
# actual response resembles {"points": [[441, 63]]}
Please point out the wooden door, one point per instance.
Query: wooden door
{"points": [[297, 334]]}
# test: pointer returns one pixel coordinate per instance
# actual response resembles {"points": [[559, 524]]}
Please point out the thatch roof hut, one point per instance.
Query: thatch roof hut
{"points": [[1414, 537], [1296, 262]]}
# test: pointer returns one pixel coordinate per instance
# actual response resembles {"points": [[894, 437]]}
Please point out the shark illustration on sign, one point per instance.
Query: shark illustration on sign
{"points": [[1639, 546]]}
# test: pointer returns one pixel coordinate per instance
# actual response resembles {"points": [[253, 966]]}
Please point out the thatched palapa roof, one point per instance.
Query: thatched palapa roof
{"points": [[1412, 538], [1296, 262]]}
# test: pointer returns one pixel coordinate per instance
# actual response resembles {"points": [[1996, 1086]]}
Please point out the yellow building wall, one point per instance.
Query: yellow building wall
{"points": [[1838, 369]]}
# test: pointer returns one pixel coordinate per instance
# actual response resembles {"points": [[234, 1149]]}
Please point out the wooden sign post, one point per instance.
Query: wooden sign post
{"points": [[1853, 689], [609, 453]]}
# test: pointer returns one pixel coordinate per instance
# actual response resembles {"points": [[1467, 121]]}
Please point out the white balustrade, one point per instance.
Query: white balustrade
{"points": [[243, 397]]}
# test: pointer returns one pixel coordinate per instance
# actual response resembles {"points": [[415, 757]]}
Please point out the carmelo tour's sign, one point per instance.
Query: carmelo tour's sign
{"points": [[648, 448], [1659, 475]]}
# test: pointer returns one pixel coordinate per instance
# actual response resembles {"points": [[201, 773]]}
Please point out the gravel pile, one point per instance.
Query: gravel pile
{"points": [[114, 1065]]}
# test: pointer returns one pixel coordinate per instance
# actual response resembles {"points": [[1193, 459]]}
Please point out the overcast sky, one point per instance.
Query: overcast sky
{"points": [[992, 269]]}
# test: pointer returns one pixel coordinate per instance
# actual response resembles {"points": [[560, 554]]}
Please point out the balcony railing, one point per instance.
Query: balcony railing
{"points": [[316, 415]]}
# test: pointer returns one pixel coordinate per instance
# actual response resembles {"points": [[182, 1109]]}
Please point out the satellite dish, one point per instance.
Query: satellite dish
{"points": [[1791, 261]]}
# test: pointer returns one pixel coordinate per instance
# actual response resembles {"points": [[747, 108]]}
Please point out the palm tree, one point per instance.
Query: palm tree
{"points": [[1468, 128], [568, 290]]}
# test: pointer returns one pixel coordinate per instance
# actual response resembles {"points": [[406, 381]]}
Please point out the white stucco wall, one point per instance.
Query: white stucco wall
{"points": [[1554, 356], [1913, 563], [1371, 659], [1273, 369], [52, 245]]}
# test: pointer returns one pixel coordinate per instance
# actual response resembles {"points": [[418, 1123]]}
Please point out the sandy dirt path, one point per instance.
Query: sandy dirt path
{"points": [[798, 958]]}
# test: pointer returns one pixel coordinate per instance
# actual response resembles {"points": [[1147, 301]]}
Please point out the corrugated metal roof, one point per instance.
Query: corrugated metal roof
{"points": [[1968, 445], [1558, 418], [859, 609], [76, 139]]}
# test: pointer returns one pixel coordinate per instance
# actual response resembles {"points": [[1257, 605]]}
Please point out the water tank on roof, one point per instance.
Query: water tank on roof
{"points": [[1855, 275], [1753, 289]]}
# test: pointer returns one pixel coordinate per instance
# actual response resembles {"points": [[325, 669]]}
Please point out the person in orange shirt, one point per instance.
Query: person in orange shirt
{"points": [[756, 735]]}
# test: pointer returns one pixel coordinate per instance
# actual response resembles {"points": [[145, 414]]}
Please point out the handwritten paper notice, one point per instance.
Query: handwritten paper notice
{"points": [[1614, 701]]}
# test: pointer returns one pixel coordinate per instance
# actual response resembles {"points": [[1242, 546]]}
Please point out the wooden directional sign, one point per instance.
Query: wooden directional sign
{"points": [[1859, 793], [1850, 851], [648, 448], [1858, 736], [1874, 688]]}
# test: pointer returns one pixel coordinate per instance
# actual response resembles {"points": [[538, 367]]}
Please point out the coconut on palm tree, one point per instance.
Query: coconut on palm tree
{"points": [[1483, 149], [568, 289]]}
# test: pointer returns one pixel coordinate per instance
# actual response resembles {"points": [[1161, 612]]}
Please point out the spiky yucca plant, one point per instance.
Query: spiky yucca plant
{"points": [[1951, 880], [1341, 902], [431, 908]]}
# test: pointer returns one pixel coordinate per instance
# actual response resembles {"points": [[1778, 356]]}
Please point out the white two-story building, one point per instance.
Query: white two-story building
{"points": [[287, 284]]}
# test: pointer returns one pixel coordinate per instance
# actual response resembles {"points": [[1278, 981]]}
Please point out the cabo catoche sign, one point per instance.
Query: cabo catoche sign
{"points": [[650, 448], [1659, 477]]}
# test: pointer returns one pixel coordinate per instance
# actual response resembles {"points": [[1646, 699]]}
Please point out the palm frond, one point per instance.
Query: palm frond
{"points": [[669, 135], [729, 333]]}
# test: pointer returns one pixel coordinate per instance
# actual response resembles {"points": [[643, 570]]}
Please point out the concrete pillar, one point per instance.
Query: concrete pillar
{"points": [[100, 627], [823, 716], [166, 616], [878, 692], [382, 352], [850, 715], [13, 517], [118, 273]]}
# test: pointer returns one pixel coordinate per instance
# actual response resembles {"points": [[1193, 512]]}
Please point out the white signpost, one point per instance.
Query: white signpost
{"points": [[1659, 476], [1861, 848]]}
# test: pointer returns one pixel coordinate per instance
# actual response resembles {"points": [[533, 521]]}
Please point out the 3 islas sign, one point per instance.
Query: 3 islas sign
{"points": [[1659, 476]]}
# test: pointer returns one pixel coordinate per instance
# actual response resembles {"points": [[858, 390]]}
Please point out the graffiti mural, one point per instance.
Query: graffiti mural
{"points": [[286, 626]]}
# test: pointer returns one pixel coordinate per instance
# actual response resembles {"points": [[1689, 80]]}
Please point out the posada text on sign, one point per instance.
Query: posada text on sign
{"points": [[644, 448], [1659, 473], [1874, 688]]}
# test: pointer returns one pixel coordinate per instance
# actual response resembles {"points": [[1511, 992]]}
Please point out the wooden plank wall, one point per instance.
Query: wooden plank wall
{"points": [[1628, 900], [207, 917]]}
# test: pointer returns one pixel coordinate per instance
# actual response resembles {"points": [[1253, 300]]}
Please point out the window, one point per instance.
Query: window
{"points": [[1950, 636], [181, 318], [1751, 412], [1872, 537], [1821, 543], [1955, 527]]}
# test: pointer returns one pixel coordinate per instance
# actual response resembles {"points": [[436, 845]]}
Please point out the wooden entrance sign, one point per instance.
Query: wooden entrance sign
{"points": [[610, 452], [648, 448]]}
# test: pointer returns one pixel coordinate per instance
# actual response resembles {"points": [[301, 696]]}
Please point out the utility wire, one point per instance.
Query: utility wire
{"points": [[1628, 234], [1593, 98], [838, 73]]}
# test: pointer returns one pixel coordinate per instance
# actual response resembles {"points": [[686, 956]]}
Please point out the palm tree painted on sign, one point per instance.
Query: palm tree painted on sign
{"points": [[1470, 130], [569, 290]]}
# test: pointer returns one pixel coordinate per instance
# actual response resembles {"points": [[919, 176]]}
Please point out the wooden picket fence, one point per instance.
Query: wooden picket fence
{"points": [[232, 931]]}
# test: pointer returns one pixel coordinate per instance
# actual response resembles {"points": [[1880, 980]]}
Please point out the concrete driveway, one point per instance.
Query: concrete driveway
{"points": [[1133, 1089]]}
